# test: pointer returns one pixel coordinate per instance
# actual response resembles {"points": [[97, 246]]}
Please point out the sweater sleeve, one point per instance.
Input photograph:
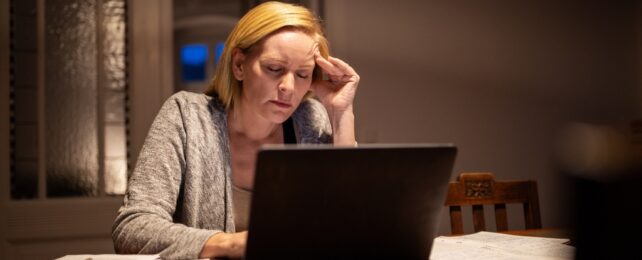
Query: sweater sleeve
{"points": [[144, 224], [312, 123]]}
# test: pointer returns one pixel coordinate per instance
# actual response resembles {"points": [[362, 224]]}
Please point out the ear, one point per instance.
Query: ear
{"points": [[238, 57]]}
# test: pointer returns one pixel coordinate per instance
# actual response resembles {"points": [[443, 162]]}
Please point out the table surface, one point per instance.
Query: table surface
{"points": [[543, 232], [540, 232]]}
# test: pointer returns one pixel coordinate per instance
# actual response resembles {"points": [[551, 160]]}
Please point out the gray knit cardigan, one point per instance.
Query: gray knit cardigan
{"points": [[179, 193]]}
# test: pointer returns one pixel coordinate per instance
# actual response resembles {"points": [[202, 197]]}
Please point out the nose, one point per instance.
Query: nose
{"points": [[286, 86]]}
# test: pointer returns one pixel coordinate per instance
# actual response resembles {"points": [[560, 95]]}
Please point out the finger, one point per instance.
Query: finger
{"points": [[347, 69], [335, 78], [320, 87], [327, 66], [315, 49]]}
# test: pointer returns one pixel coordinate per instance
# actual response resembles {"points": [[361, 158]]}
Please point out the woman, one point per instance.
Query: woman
{"points": [[191, 185]]}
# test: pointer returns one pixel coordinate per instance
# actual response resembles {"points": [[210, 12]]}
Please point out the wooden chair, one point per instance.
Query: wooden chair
{"points": [[477, 189]]}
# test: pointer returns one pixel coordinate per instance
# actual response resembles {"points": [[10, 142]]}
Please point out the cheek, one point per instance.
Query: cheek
{"points": [[306, 83], [256, 83], [303, 87]]}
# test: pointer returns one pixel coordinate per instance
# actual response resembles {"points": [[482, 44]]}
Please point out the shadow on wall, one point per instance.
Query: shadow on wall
{"points": [[604, 175]]}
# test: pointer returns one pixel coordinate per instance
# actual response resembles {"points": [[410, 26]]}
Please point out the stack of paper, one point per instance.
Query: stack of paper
{"points": [[488, 245]]}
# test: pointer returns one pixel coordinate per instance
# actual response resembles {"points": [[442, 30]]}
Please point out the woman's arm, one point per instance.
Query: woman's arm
{"points": [[145, 224], [230, 245], [343, 127], [337, 95]]}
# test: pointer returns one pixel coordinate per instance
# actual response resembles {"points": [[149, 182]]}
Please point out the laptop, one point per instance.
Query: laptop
{"points": [[368, 202]]}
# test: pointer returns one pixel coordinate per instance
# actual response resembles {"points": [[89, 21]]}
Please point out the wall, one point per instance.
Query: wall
{"points": [[498, 78], [639, 51], [4, 128]]}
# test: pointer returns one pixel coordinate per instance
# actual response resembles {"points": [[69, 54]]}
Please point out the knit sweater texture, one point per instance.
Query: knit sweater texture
{"points": [[179, 193]]}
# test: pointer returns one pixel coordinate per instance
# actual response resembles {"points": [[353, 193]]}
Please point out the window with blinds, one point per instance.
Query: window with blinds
{"points": [[68, 91]]}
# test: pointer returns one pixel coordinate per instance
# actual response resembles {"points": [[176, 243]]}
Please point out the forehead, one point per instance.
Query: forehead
{"points": [[290, 46]]}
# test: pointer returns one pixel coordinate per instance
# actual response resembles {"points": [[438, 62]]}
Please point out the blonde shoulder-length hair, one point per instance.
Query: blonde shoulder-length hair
{"points": [[258, 23]]}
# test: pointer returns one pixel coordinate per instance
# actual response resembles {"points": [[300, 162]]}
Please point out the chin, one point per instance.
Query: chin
{"points": [[279, 117]]}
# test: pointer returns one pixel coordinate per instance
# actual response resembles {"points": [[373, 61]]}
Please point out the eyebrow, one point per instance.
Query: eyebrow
{"points": [[307, 65], [272, 59]]}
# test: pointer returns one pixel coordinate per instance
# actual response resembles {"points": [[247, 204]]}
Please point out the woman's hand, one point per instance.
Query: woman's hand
{"points": [[337, 95], [230, 245]]}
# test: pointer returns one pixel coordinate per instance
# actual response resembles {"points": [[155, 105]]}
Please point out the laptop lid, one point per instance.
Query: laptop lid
{"points": [[324, 202]]}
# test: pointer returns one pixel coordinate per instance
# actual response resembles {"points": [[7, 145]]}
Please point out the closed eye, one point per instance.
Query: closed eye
{"points": [[274, 69]]}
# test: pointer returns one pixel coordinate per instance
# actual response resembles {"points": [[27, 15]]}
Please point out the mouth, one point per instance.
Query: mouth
{"points": [[281, 104]]}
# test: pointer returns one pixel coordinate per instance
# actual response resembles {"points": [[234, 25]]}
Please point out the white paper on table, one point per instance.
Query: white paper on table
{"points": [[489, 245], [110, 257]]}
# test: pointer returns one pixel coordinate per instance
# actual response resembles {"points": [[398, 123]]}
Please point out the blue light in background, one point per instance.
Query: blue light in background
{"points": [[194, 54], [193, 60], [219, 51]]}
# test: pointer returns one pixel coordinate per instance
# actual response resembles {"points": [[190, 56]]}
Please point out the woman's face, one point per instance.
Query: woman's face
{"points": [[276, 74]]}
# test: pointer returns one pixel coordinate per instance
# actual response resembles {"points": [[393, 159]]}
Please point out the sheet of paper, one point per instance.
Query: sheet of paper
{"points": [[539, 246], [489, 245], [110, 257], [444, 249]]}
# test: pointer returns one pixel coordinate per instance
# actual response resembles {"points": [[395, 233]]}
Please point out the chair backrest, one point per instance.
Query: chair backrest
{"points": [[479, 188]]}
